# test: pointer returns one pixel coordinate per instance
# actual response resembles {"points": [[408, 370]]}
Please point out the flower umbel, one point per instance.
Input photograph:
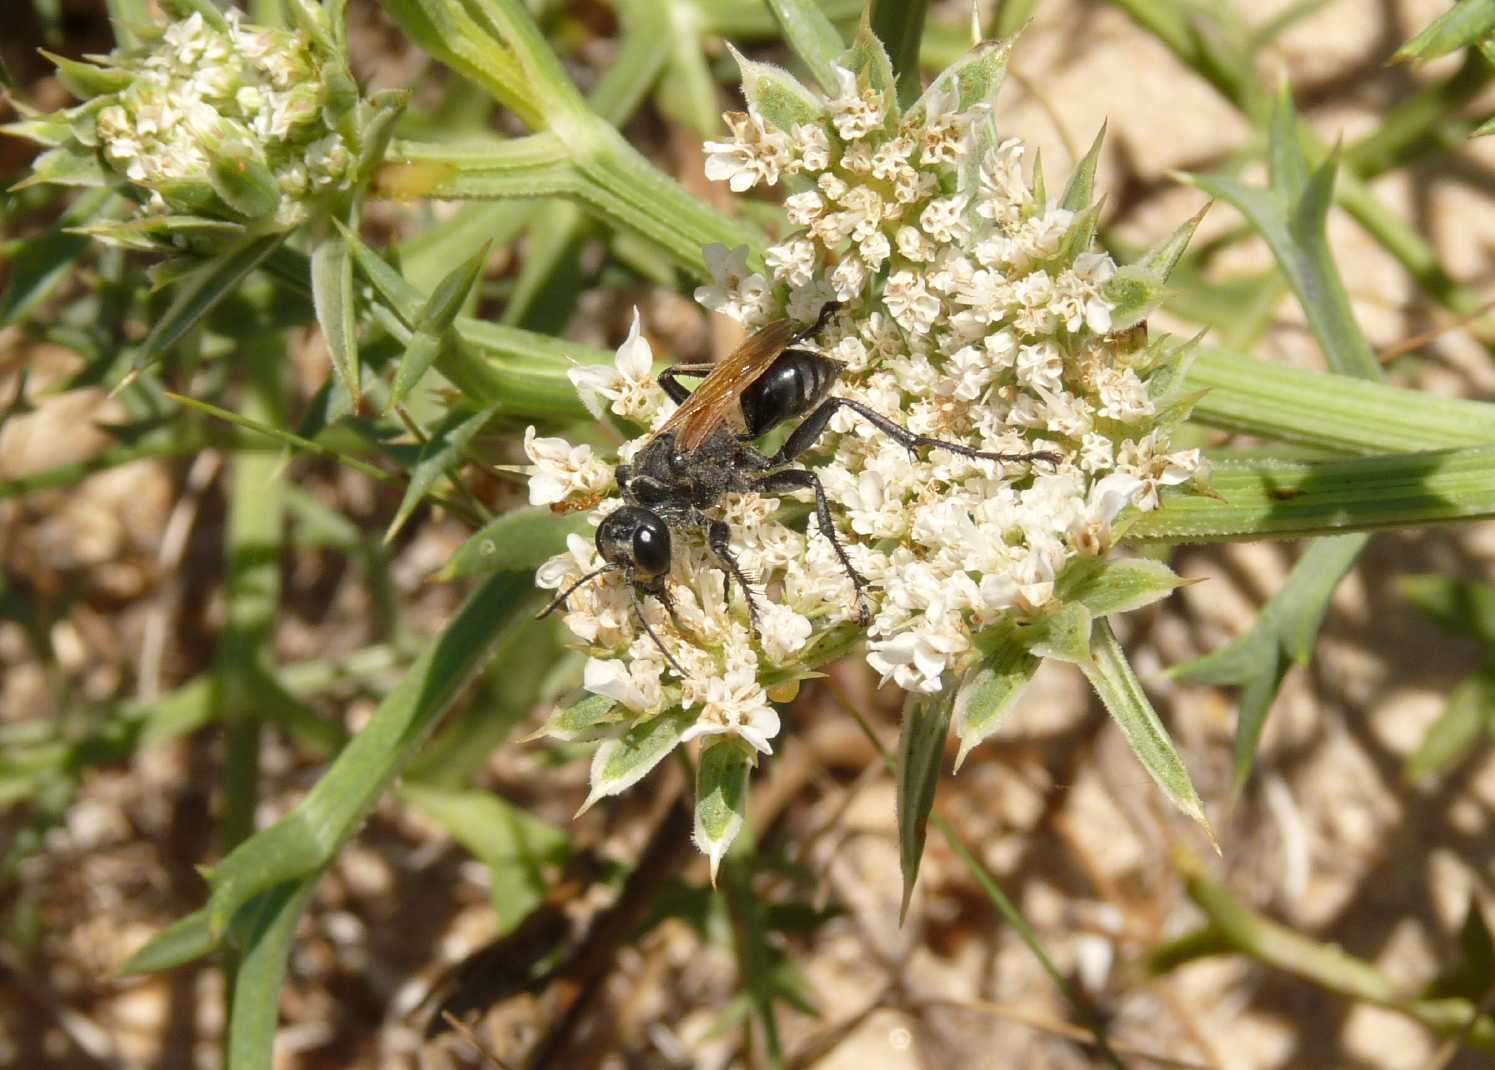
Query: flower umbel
{"points": [[972, 310], [212, 121]]}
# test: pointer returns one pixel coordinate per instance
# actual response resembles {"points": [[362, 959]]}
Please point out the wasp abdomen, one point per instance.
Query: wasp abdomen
{"points": [[796, 383]]}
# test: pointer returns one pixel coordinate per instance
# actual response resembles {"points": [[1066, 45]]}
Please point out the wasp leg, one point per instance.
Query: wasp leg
{"points": [[638, 609], [676, 392], [804, 479], [718, 534], [814, 425]]}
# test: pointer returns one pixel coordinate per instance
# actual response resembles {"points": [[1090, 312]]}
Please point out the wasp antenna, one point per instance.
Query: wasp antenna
{"points": [[638, 608], [560, 599]]}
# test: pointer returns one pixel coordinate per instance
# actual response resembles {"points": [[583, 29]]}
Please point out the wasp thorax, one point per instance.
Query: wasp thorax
{"points": [[636, 537]]}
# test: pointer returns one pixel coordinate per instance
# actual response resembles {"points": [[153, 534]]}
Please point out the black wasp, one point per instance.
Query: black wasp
{"points": [[704, 451]]}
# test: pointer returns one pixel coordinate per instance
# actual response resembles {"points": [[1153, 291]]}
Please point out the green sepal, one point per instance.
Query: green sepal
{"points": [[621, 763], [85, 80], [721, 797], [587, 718], [776, 94], [976, 77], [245, 183], [989, 689]]}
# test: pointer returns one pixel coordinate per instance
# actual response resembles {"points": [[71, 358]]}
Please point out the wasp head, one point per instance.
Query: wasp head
{"points": [[635, 538]]}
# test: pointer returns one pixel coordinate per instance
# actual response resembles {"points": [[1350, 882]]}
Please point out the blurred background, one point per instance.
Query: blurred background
{"points": [[1359, 828]]}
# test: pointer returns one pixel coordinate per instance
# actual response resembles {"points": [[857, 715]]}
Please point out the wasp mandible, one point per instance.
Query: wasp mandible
{"points": [[705, 450]]}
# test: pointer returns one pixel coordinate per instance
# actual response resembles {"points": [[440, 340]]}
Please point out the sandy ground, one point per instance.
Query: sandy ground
{"points": [[1327, 838]]}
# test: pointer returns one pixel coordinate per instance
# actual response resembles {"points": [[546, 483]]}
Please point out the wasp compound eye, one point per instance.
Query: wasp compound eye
{"points": [[637, 537]]}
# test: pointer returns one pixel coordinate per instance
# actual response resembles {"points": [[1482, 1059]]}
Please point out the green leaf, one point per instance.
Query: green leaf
{"points": [[776, 94], [1472, 973], [721, 798], [812, 36], [268, 928], [301, 843], [1117, 585], [1468, 718], [522, 540], [513, 844], [899, 25], [988, 691], [1063, 633], [440, 453], [621, 763], [66, 165], [976, 77], [37, 266], [201, 291], [1290, 217], [1112, 677], [1257, 397], [332, 293], [1283, 635], [1466, 23], [1457, 605], [84, 80], [586, 718], [921, 746], [1282, 499], [182, 941]]}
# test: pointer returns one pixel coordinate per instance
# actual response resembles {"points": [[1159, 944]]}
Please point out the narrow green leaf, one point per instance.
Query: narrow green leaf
{"points": [[420, 353], [1081, 186], [513, 844], [721, 798], [921, 746], [1164, 257], [452, 292], [268, 930], [332, 293], [182, 941], [84, 80], [1287, 167], [201, 291], [444, 450], [899, 25], [37, 266], [521, 540], [1279, 499], [1283, 634], [988, 691], [812, 36], [1274, 401], [621, 763], [1466, 23], [1112, 677], [1292, 225], [304, 840], [1457, 605], [66, 165], [1468, 719]]}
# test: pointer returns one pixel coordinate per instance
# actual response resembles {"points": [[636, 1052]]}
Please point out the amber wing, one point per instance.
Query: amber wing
{"points": [[715, 399]]}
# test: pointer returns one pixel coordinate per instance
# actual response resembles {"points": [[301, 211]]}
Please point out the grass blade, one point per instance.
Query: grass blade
{"points": [[201, 291]]}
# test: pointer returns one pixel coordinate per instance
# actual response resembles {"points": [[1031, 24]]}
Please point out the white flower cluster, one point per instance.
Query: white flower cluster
{"points": [[241, 95], [967, 314]]}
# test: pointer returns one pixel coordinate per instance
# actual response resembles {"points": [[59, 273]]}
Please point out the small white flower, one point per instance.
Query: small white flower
{"points": [[735, 703], [631, 683], [910, 303], [628, 383], [791, 261], [755, 153], [855, 113], [745, 296], [561, 469]]}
